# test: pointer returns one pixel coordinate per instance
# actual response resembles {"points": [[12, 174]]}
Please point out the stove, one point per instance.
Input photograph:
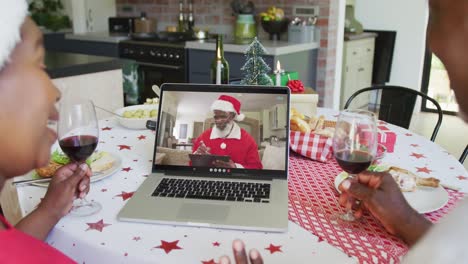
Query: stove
{"points": [[161, 58]]}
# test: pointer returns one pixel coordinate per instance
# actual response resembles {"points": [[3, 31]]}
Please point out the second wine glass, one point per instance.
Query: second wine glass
{"points": [[355, 144], [78, 133]]}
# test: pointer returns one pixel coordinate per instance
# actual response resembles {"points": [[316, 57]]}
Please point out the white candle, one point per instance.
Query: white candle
{"points": [[218, 72], [278, 73]]}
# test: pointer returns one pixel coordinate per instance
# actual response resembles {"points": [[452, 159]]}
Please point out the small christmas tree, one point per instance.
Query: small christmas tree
{"points": [[255, 68]]}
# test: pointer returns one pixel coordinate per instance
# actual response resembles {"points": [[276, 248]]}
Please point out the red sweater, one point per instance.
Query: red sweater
{"points": [[243, 151], [18, 247]]}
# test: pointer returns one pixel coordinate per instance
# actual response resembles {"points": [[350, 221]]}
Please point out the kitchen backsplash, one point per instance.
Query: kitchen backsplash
{"points": [[217, 16]]}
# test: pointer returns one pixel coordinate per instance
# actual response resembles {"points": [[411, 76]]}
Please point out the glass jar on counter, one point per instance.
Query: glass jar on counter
{"points": [[245, 29]]}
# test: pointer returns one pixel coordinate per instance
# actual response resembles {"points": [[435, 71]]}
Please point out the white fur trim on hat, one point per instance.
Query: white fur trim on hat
{"points": [[226, 107], [223, 106], [12, 15], [240, 117]]}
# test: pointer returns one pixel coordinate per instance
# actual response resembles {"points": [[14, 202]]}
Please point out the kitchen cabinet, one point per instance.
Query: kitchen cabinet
{"points": [[57, 42], [358, 57], [277, 118], [302, 59]]}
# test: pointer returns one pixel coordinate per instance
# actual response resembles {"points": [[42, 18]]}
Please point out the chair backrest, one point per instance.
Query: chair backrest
{"points": [[395, 104], [464, 154]]}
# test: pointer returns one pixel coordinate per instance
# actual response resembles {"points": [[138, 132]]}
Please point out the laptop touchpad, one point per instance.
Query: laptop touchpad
{"points": [[203, 212]]}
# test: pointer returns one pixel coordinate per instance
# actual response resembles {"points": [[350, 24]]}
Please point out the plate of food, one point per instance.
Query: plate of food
{"points": [[424, 194], [102, 163]]}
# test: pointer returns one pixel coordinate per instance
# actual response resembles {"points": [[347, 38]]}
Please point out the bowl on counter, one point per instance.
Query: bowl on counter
{"points": [[135, 116], [275, 27]]}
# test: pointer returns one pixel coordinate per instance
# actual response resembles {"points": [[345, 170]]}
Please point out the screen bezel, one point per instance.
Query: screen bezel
{"points": [[205, 171]]}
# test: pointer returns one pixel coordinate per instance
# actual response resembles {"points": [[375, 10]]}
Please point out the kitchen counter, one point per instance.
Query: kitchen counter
{"points": [[98, 37], [274, 48], [63, 64]]}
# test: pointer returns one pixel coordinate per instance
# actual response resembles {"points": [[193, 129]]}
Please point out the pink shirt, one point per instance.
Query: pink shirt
{"points": [[18, 247]]}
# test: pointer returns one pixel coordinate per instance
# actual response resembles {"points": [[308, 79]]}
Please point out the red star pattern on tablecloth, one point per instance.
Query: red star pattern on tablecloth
{"points": [[137, 238], [417, 155], [122, 147], [424, 169], [462, 178], [216, 244], [211, 261], [103, 190], [320, 240], [127, 169], [135, 160], [272, 248], [141, 137], [106, 128], [168, 246], [414, 145], [125, 195], [408, 134], [99, 225]]}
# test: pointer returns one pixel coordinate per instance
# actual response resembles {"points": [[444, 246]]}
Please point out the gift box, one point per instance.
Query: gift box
{"points": [[310, 145], [293, 75], [386, 138]]}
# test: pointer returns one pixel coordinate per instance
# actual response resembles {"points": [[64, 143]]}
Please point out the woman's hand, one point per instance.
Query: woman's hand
{"points": [[381, 195], [240, 257], [69, 182]]}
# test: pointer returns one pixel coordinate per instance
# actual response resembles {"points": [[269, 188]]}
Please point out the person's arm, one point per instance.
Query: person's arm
{"points": [[381, 195], [69, 182]]}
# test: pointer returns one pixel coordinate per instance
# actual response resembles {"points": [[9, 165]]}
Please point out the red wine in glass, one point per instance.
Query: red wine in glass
{"points": [[353, 162], [79, 148], [355, 144], [78, 133]]}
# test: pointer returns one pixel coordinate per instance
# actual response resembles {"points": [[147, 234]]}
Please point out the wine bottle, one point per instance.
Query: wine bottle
{"points": [[191, 21], [219, 66], [181, 20]]}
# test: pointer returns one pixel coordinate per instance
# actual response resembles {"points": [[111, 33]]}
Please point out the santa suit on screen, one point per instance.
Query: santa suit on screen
{"points": [[233, 141]]}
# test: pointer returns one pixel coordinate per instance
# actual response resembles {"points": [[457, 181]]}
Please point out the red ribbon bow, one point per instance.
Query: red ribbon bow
{"points": [[296, 86]]}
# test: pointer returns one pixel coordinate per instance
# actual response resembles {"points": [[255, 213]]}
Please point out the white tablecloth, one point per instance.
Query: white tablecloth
{"points": [[101, 238]]}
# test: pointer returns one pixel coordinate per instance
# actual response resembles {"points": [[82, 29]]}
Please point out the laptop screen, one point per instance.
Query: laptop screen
{"points": [[236, 130]]}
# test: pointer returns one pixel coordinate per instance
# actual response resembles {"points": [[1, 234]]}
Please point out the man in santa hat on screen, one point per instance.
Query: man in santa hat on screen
{"points": [[226, 138]]}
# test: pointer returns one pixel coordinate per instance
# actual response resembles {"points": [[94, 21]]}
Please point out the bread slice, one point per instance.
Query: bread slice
{"points": [[408, 181], [49, 170], [102, 161]]}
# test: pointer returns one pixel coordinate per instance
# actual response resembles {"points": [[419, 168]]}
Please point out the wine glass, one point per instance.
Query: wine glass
{"points": [[355, 144], [78, 134]]}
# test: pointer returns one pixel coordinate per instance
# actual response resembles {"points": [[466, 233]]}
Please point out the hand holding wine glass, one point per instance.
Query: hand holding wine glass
{"points": [[355, 144], [78, 137]]}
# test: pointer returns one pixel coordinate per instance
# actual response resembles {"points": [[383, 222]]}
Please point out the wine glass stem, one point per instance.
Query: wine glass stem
{"points": [[349, 215]]}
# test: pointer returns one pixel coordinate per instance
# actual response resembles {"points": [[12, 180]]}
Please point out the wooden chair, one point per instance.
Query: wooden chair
{"points": [[393, 104]]}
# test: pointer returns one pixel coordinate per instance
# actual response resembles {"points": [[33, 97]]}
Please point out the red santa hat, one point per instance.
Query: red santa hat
{"points": [[12, 15], [228, 103]]}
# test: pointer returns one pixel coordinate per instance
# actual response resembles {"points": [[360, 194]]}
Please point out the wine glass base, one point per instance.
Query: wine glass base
{"points": [[85, 209]]}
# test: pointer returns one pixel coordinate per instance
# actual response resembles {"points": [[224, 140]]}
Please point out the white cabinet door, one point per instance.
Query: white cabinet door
{"points": [[92, 15]]}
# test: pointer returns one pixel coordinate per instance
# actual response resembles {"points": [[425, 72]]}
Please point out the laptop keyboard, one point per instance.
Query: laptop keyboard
{"points": [[214, 190]]}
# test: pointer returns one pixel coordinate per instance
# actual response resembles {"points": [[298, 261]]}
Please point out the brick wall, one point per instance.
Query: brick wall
{"points": [[218, 12]]}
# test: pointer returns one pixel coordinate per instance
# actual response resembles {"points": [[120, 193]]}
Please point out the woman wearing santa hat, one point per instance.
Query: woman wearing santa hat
{"points": [[26, 140], [226, 138]]}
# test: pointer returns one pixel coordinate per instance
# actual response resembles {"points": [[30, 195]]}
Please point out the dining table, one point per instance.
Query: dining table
{"points": [[314, 235]]}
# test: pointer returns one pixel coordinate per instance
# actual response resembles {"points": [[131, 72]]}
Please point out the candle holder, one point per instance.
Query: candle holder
{"points": [[284, 76]]}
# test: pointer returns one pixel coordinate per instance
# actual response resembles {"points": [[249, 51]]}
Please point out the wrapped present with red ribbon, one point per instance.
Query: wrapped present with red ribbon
{"points": [[386, 138], [296, 86], [310, 145]]}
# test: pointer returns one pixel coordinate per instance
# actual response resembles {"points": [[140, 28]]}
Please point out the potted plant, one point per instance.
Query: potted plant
{"points": [[245, 30], [49, 14]]}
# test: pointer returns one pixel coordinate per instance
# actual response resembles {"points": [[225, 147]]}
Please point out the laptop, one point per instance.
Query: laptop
{"points": [[249, 192]]}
